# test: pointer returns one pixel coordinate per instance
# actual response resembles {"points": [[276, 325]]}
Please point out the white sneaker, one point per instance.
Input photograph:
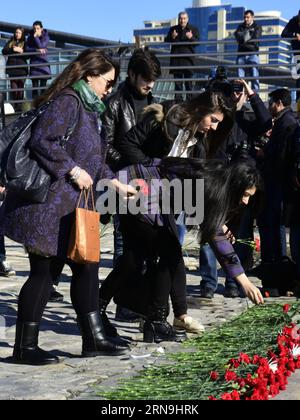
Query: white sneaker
{"points": [[189, 324], [6, 269]]}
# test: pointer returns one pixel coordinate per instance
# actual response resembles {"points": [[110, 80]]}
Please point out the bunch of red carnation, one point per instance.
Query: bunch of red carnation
{"points": [[270, 375]]}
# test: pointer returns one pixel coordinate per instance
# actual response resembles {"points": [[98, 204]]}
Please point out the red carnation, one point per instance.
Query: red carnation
{"points": [[144, 189], [286, 308], [257, 244], [214, 376], [230, 376]]}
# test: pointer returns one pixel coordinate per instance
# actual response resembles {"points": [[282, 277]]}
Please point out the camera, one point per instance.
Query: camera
{"points": [[220, 82], [237, 87], [221, 73], [238, 151]]}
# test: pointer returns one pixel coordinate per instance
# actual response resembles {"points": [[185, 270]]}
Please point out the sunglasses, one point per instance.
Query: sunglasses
{"points": [[109, 83]]}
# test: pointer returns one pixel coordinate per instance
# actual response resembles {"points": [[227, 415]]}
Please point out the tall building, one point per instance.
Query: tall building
{"points": [[217, 22]]}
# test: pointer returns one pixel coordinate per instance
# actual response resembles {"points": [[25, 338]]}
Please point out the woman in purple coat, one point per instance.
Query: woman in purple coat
{"points": [[38, 41], [44, 229]]}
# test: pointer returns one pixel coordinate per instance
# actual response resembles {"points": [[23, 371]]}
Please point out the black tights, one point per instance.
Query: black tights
{"points": [[141, 241], [36, 291]]}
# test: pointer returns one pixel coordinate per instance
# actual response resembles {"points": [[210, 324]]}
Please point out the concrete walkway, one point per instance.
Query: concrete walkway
{"points": [[75, 377]]}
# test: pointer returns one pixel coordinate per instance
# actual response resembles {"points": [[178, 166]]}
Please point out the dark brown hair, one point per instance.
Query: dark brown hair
{"points": [[189, 114]]}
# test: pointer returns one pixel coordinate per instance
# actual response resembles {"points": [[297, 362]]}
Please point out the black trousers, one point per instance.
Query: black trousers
{"points": [[35, 293], [39, 86], [143, 241]]}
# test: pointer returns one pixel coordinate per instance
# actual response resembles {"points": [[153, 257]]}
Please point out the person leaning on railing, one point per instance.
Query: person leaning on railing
{"points": [[14, 49], [246, 33], [184, 34], [292, 30], [38, 41]]}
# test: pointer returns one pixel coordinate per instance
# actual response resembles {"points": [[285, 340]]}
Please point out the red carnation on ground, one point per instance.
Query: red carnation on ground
{"points": [[143, 186], [214, 376], [230, 376], [286, 308]]}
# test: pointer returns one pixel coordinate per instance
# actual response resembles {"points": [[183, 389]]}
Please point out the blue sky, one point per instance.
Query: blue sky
{"points": [[114, 19]]}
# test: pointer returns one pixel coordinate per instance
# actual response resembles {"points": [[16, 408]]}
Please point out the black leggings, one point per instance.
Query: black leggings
{"points": [[36, 291], [18, 95], [144, 241]]}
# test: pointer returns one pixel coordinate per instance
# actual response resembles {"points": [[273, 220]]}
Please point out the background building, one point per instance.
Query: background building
{"points": [[217, 22]]}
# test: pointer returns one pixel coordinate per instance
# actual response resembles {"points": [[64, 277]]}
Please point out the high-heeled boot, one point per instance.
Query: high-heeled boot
{"points": [[110, 330], [26, 350], [94, 340], [157, 328]]}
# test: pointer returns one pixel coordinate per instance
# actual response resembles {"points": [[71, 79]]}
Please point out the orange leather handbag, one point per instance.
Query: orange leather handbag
{"points": [[84, 244]]}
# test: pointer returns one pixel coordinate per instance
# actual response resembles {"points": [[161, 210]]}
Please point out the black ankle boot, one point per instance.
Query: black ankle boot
{"points": [[109, 329], [94, 340], [157, 329], [26, 350]]}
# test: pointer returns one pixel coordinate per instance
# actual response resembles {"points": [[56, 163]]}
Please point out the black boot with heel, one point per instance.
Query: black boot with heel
{"points": [[26, 350], [94, 339], [157, 328]]}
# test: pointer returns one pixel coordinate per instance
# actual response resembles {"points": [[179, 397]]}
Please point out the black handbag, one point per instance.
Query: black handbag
{"points": [[20, 171]]}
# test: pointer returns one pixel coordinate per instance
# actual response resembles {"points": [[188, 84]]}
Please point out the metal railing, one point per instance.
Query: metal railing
{"points": [[271, 75]]}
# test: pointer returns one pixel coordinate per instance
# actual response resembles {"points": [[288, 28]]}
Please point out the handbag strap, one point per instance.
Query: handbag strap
{"points": [[87, 194]]}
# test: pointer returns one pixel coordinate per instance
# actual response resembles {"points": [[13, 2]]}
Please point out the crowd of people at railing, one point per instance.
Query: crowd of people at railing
{"points": [[250, 163]]}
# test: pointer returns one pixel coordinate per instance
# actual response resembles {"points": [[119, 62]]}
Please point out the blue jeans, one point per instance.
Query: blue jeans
{"points": [[208, 270], [295, 245], [252, 60]]}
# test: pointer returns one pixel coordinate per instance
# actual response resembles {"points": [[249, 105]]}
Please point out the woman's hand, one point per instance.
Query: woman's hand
{"points": [[81, 178], [229, 235], [18, 50], [251, 291], [126, 191]]}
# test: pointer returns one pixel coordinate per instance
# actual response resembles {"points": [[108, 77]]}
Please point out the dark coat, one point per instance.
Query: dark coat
{"points": [[119, 117], [278, 150], [244, 34], [184, 48], [34, 44], [46, 227], [147, 140], [292, 207], [15, 59], [290, 31]]}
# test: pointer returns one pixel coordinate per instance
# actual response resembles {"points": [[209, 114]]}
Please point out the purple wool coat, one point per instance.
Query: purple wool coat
{"points": [[46, 227], [41, 60]]}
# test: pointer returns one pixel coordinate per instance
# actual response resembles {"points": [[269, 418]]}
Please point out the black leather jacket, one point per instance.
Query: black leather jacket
{"points": [[245, 34], [291, 30], [117, 120]]}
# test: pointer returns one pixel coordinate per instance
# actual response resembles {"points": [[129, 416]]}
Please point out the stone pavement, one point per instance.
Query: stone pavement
{"points": [[75, 377]]}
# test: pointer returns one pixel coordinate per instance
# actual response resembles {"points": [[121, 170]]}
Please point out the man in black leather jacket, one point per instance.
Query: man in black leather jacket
{"points": [[125, 106], [248, 31]]}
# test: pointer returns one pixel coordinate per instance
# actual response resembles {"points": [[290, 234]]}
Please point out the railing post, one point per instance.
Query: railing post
{"points": [[2, 113]]}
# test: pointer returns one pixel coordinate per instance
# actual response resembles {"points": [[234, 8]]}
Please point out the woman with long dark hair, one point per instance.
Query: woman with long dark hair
{"points": [[196, 128], [44, 229], [152, 234], [15, 49]]}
